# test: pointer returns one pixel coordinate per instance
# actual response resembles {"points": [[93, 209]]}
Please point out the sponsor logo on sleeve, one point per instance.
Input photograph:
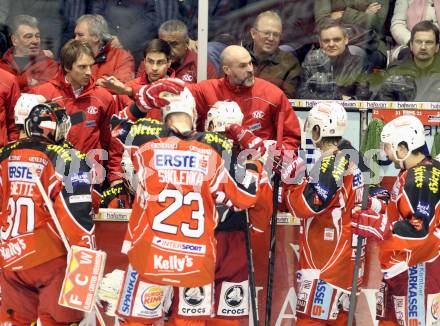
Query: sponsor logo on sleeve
{"points": [[433, 309], [233, 299], [416, 295], [148, 301], [195, 301], [322, 300], [127, 295]]}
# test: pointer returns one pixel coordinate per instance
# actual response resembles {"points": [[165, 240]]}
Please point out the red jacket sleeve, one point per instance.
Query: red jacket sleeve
{"points": [[109, 143], [212, 73], [12, 130], [124, 70], [290, 124]]}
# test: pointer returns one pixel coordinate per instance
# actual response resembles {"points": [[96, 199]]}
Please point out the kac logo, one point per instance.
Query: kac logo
{"points": [[258, 114], [194, 296], [92, 109], [234, 296]]}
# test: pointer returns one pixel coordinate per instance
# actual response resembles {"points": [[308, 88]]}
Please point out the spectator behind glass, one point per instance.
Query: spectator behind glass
{"points": [[133, 22], [183, 60], [25, 59], [109, 61], [365, 19], [157, 66], [332, 72], [271, 63], [407, 13], [423, 67]]}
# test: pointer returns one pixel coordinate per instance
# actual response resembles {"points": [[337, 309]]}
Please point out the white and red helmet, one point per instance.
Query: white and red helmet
{"points": [[24, 105], [183, 103], [331, 118], [406, 128], [221, 114]]}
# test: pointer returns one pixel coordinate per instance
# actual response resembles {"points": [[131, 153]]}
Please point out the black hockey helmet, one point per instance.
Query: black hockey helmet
{"points": [[48, 120]]}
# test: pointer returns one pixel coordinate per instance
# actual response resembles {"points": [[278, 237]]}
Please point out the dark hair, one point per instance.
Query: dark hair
{"points": [[425, 26], [421, 150], [174, 26], [329, 23], [71, 51], [158, 45]]}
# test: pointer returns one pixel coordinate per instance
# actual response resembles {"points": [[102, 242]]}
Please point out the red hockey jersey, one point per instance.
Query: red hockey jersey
{"points": [[28, 234], [324, 203], [170, 238], [415, 210]]}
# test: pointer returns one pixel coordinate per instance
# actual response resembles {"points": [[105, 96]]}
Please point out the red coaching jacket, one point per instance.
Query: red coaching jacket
{"points": [[40, 68], [9, 94], [93, 133]]}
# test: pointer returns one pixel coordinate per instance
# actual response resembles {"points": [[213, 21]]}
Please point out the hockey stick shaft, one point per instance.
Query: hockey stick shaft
{"points": [[59, 228], [253, 291], [273, 225], [357, 263]]}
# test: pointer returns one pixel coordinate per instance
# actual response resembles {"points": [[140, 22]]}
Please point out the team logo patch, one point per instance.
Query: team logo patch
{"points": [[188, 77], [92, 110], [258, 114]]}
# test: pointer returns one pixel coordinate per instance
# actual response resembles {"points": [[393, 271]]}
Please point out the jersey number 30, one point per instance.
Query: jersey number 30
{"points": [[16, 209], [179, 200]]}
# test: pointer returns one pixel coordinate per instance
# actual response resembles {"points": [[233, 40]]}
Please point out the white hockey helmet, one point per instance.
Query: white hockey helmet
{"points": [[406, 128], [331, 118], [184, 103], [24, 105], [221, 114]]}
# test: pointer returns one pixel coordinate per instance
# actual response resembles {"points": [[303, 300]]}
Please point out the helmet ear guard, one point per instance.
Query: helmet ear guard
{"points": [[221, 114], [48, 120]]}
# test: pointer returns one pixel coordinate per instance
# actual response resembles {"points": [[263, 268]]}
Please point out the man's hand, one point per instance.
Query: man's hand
{"points": [[115, 85], [370, 224], [159, 93], [245, 138], [336, 15], [373, 8]]}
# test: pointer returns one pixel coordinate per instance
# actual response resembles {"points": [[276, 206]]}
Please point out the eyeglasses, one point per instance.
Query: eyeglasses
{"points": [[269, 33], [426, 43]]}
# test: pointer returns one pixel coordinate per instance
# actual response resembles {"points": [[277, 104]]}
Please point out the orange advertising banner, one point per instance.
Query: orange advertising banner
{"points": [[83, 276]]}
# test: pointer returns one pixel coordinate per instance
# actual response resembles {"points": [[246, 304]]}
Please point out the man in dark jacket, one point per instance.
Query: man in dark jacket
{"points": [[332, 72]]}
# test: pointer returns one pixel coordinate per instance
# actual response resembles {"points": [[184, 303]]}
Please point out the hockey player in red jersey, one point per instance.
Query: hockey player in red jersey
{"points": [[409, 249], [323, 201], [33, 257], [170, 237], [231, 286]]}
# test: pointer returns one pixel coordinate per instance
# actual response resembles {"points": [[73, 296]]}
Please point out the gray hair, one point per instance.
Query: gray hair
{"points": [[97, 26], [19, 20], [174, 26]]}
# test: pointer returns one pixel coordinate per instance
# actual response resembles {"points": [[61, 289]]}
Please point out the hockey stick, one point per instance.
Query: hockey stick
{"points": [[273, 225], [59, 228], [363, 166], [253, 291]]}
